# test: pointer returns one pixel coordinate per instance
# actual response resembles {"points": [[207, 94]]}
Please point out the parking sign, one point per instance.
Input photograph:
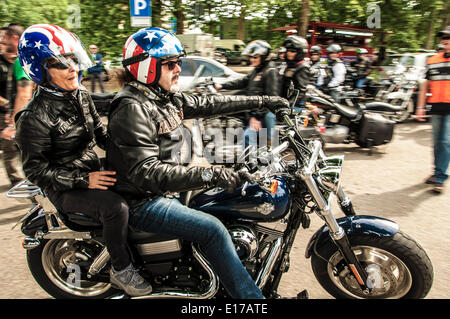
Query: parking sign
{"points": [[141, 13]]}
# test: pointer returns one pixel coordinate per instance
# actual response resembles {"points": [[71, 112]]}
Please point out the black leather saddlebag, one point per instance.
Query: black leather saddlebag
{"points": [[375, 130]]}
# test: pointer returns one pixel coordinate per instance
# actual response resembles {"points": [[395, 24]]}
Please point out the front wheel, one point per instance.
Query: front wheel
{"points": [[60, 266], [397, 268]]}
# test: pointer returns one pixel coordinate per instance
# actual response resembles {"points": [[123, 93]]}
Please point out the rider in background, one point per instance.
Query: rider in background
{"points": [[297, 74], [316, 66], [362, 67], [335, 73], [263, 80]]}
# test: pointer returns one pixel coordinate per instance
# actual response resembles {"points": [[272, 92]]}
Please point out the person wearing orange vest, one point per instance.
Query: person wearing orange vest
{"points": [[437, 87]]}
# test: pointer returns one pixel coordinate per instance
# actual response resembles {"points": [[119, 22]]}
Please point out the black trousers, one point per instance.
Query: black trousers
{"points": [[106, 206]]}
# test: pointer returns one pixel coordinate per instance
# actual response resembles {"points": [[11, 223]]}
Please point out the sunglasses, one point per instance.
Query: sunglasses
{"points": [[254, 56], [291, 50], [63, 63], [171, 64], [446, 37]]}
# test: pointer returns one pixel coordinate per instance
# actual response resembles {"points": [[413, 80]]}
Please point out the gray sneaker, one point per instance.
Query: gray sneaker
{"points": [[130, 281]]}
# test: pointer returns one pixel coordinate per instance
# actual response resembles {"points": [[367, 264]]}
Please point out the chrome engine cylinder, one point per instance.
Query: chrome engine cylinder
{"points": [[245, 241]]}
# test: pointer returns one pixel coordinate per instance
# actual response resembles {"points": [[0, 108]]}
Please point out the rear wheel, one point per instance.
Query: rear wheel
{"points": [[397, 267], [60, 266]]}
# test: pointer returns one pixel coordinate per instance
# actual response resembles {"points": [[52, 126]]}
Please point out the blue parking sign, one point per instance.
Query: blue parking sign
{"points": [[141, 13]]}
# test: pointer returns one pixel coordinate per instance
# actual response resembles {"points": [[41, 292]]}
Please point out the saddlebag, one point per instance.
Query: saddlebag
{"points": [[375, 130]]}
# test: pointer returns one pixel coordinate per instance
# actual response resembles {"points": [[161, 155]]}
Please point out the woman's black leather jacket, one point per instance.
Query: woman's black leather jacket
{"points": [[263, 80], [146, 128], [56, 134]]}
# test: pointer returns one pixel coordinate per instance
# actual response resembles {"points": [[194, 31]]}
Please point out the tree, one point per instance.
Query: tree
{"points": [[304, 19]]}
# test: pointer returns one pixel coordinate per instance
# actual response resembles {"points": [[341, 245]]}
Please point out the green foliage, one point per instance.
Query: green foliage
{"points": [[413, 23]]}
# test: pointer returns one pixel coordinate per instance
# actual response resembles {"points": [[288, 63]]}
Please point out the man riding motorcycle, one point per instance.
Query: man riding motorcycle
{"points": [[316, 66], [145, 125], [335, 73], [362, 67], [297, 74]]}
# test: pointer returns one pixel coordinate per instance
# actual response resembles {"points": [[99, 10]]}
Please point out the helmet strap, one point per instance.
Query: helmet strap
{"points": [[135, 59]]}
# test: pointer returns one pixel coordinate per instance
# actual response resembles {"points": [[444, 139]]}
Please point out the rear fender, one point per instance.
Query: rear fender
{"points": [[354, 225]]}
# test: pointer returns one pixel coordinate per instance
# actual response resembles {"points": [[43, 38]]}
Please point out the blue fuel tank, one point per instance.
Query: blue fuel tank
{"points": [[259, 204]]}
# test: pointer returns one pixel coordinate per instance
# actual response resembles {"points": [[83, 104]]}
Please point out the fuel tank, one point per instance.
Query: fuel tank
{"points": [[258, 204]]}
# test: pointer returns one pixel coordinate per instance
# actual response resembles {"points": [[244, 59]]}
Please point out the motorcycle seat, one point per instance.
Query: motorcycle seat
{"points": [[79, 221], [382, 107], [347, 111]]}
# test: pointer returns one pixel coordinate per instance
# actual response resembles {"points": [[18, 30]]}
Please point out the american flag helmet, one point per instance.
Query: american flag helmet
{"points": [[146, 49], [40, 43]]}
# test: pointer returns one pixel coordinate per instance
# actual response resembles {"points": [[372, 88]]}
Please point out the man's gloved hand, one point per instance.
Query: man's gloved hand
{"points": [[276, 104], [230, 179]]}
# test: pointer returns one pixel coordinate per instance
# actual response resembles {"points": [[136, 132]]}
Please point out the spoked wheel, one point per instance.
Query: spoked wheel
{"points": [[60, 267], [397, 267]]}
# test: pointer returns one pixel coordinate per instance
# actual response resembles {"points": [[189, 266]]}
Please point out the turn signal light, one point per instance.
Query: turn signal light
{"points": [[273, 186]]}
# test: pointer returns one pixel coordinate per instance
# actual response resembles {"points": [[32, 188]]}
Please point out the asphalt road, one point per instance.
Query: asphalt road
{"points": [[388, 183]]}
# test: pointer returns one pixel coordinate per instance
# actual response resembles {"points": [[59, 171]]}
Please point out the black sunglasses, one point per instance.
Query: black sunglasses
{"points": [[446, 37], [63, 63], [291, 50], [171, 64]]}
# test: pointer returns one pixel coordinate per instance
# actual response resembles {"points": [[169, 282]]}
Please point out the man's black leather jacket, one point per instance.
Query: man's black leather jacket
{"points": [[296, 76], [146, 126], [56, 135]]}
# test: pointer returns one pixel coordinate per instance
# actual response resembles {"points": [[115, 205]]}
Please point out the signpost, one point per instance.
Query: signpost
{"points": [[141, 13]]}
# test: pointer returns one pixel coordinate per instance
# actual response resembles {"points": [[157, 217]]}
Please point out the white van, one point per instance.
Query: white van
{"points": [[201, 44]]}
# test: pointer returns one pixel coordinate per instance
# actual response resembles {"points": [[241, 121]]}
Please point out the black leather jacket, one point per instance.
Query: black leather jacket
{"points": [[362, 67], [145, 128], [296, 76], [263, 80], [56, 135]]}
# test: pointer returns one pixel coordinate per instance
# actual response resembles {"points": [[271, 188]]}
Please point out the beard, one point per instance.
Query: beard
{"points": [[174, 88]]}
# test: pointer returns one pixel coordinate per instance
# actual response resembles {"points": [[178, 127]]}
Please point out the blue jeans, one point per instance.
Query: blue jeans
{"points": [[360, 83], [168, 216], [441, 138]]}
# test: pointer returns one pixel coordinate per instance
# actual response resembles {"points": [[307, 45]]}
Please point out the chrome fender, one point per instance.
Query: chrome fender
{"points": [[354, 225]]}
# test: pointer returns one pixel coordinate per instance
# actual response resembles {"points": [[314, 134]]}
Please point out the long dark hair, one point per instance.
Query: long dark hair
{"points": [[122, 75]]}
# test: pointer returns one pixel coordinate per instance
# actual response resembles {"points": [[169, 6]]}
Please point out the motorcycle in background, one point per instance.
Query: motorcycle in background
{"points": [[400, 92], [366, 125]]}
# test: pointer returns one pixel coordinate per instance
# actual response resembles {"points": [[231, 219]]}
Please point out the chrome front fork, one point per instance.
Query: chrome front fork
{"points": [[337, 233]]}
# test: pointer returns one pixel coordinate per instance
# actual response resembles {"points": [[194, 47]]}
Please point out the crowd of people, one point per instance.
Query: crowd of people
{"points": [[57, 131]]}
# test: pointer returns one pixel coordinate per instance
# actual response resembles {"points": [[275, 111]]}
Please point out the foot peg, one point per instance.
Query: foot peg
{"points": [[303, 294]]}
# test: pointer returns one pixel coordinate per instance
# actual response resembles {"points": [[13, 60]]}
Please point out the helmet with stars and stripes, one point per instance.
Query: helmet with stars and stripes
{"points": [[146, 49], [41, 44]]}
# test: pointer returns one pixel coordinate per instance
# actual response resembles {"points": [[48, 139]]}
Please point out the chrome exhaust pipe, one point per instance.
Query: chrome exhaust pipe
{"points": [[266, 268]]}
